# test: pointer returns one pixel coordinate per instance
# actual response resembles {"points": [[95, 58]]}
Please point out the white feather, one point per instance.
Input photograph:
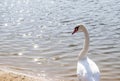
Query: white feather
{"points": [[87, 70]]}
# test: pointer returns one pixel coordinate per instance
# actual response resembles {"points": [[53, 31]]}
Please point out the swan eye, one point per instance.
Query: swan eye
{"points": [[76, 28]]}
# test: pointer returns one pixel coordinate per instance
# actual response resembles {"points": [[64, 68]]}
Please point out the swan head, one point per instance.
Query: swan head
{"points": [[78, 28]]}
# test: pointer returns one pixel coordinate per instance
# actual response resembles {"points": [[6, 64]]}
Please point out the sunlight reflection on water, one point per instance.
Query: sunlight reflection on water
{"points": [[37, 35]]}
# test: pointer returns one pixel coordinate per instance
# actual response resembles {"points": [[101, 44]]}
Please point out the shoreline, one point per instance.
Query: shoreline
{"points": [[12, 73], [7, 75]]}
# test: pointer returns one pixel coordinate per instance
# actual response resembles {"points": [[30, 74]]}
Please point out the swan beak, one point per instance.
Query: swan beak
{"points": [[74, 32]]}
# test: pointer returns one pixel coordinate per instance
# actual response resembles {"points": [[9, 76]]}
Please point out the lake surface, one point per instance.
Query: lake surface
{"points": [[35, 36]]}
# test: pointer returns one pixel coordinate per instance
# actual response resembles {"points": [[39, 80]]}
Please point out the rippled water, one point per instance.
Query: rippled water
{"points": [[35, 35]]}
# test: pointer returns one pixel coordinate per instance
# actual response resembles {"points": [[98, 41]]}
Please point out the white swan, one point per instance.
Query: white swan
{"points": [[87, 70]]}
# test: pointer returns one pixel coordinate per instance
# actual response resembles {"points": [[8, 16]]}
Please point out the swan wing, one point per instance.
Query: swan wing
{"points": [[87, 70]]}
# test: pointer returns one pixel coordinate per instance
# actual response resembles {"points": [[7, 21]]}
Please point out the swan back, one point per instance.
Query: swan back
{"points": [[87, 70]]}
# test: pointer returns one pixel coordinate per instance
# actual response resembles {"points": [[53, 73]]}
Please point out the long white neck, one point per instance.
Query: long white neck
{"points": [[84, 51]]}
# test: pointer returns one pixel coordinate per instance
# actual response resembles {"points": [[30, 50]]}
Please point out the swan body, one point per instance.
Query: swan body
{"points": [[87, 70]]}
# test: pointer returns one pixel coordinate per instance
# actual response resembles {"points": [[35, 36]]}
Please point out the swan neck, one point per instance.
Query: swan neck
{"points": [[84, 51], [86, 41]]}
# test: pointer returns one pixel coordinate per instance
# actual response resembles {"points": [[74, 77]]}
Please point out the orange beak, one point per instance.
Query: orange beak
{"points": [[74, 31]]}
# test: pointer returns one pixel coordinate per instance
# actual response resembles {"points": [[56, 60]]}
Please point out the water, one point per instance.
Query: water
{"points": [[35, 36]]}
